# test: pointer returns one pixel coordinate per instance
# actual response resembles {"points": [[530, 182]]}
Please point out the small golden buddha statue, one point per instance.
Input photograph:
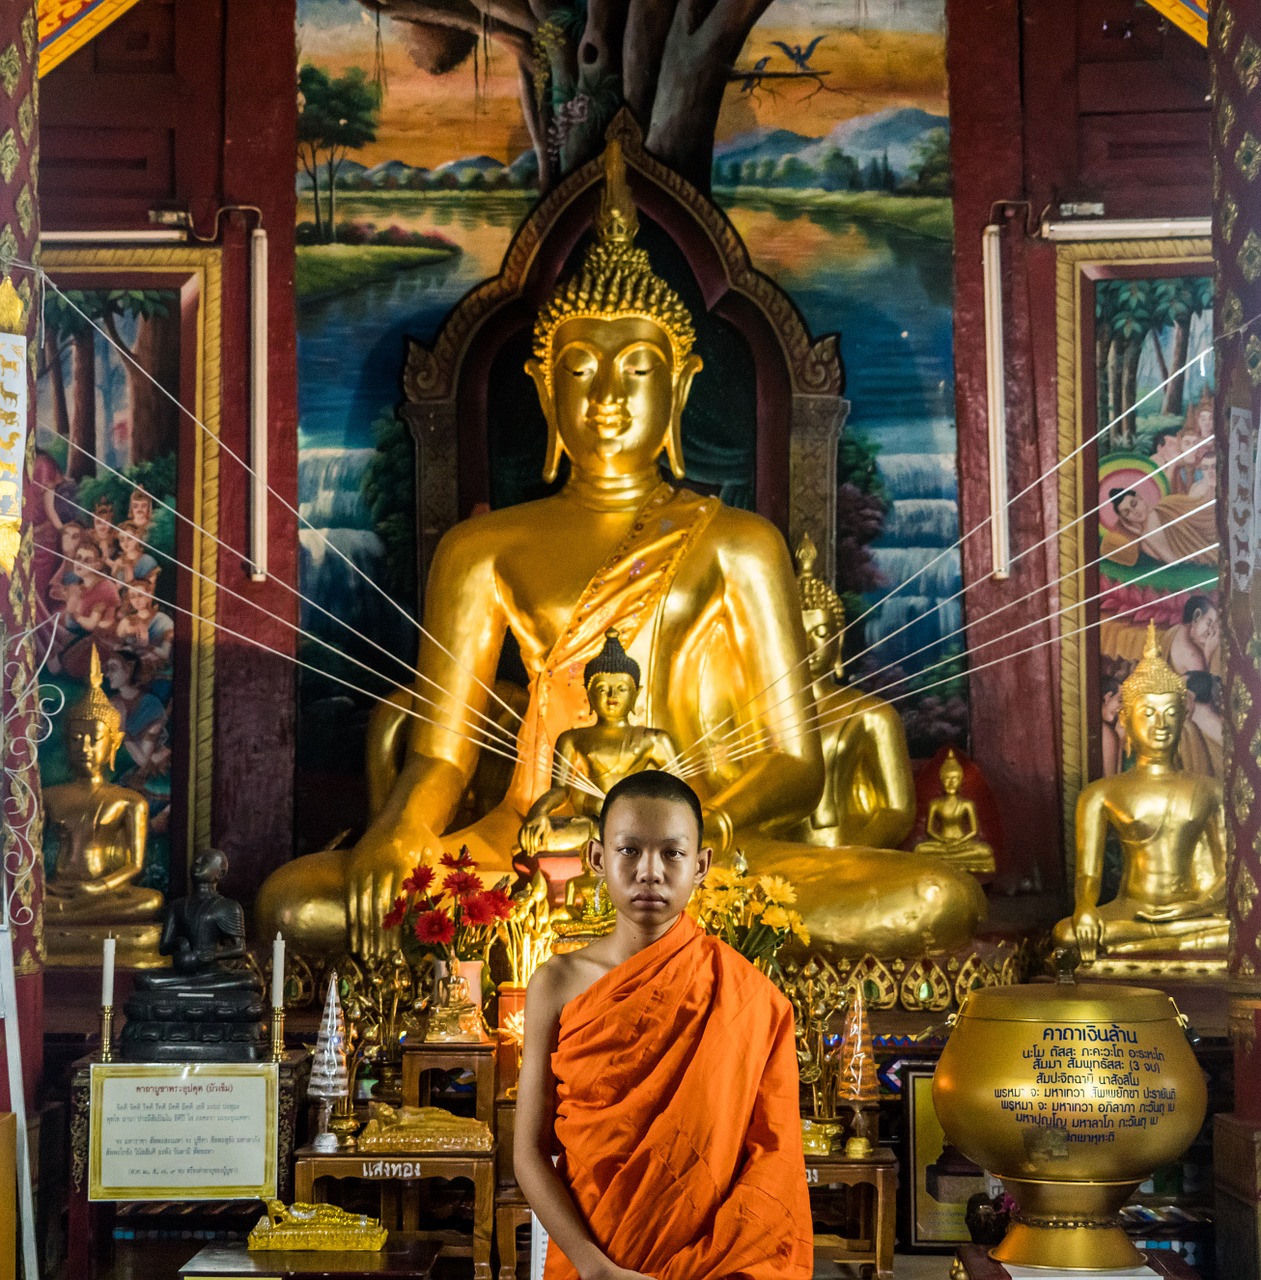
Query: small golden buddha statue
{"points": [[1172, 897], [422, 1129], [703, 598], [601, 754], [300, 1227], [101, 834], [868, 789], [952, 825], [575, 926]]}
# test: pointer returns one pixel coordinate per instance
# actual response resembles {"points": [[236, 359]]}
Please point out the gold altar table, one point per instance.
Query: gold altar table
{"points": [[400, 1175]]}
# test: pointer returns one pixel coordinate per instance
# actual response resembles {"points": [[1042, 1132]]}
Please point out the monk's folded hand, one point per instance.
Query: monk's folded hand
{"points": [[610, 1272]]}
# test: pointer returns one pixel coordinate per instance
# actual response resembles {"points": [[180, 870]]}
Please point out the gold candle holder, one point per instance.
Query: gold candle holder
{"points": [[107, 1033], [278, 1034]]}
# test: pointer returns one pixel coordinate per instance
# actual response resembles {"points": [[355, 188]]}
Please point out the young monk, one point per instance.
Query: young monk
{"points": [[660, 1067]]}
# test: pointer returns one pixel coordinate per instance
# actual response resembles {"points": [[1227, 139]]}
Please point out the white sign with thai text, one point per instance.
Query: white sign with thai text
{"points": [[200, 1131]]}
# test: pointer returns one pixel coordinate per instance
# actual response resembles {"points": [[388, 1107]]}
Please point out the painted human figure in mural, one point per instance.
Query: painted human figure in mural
{"points": [[1148, 528]]}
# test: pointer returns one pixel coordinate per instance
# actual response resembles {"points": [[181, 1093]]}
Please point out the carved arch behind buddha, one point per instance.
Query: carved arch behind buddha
{"points": [[796, 383]]}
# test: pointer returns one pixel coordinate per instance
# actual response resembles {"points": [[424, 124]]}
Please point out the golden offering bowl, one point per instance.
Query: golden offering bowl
{"points": [[1072, 1095]]}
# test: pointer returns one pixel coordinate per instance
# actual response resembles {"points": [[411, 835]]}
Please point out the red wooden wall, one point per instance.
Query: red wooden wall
{"points": [[191, 103], [1052, 101]]}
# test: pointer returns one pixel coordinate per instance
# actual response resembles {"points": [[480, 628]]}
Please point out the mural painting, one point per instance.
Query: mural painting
{"points": [[104, 547], [820, 126], [1157, 480]]}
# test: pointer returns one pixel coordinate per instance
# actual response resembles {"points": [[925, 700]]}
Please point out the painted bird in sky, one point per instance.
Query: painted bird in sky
{"points": [[799, 57], [754, 77]]}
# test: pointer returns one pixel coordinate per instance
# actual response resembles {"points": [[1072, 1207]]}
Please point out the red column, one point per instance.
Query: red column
{"points": [[19, 238]]}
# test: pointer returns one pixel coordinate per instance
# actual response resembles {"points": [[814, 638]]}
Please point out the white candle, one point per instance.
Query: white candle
{"points": [[278, 973], [107, 973]]}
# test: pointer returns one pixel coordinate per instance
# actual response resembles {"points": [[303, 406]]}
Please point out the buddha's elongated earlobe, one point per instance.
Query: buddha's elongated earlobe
{"points": [[542, 384], [674, 436]]}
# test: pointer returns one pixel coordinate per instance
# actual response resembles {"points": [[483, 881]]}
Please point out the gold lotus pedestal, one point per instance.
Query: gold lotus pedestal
{"points": [[1072, 1095]]}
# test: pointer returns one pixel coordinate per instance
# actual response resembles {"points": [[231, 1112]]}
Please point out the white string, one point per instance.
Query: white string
{"points": [[293, 591], [298, 662], [986, 617], [1007, 657], [1199, 357], [840, 633], [1055, 533], [971, 626], [284, 502], [505, 739], [822, 714]]}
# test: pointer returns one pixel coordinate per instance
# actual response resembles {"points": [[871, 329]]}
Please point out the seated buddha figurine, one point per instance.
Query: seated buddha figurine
{"points": [[600, 754], [702, 596], [868, 788], [101, 834], [952, 827], [208, 1007], [1172, 897]]}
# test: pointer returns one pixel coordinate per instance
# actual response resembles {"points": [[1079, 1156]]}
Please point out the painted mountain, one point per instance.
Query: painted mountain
{"points": [[893, 135]]}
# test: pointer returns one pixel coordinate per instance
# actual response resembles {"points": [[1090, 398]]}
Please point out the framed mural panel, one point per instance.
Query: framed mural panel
{"points": [[113, 445], [940, 1179], [1136, 442]]}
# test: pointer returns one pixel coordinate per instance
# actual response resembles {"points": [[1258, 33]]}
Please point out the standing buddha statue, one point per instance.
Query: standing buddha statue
{"points": [[868, 788], [1172, 898], [703, 598], [101, 831]]}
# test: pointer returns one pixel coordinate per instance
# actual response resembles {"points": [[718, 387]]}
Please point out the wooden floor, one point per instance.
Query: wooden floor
{"points": [[162, 1259]]}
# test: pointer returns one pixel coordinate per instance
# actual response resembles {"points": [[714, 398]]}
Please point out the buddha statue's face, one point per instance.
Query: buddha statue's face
{"points": [[612, 695], [612, 395], [91, 746], [951, 778], [823, 640], [1155, 722]]}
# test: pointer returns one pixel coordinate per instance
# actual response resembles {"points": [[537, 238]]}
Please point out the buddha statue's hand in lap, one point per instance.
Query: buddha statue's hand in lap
{"points": [[703, 597], [1172, 896]]}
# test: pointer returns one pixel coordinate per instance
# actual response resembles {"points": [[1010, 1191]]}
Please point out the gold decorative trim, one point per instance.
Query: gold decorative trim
{"points": [[204, 270], [1071, 261], [65, 26], [1184, 17]]}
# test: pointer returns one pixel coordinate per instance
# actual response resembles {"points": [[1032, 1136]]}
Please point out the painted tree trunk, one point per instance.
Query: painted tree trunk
{"points": [[1173, 392], [81, 456], [19, 233], [56, 380], [154, 416]]}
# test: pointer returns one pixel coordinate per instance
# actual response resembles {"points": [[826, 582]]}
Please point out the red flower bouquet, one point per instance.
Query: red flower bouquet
{"points": [[458, 920]]}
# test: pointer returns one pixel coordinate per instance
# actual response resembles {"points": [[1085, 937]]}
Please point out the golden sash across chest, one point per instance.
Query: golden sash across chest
{"points": [[626, 592]]}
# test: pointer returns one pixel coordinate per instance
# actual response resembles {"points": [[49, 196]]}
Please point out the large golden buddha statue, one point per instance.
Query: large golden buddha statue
{"points": [[703, 597], [868, 788], [101, 832], [1172, 897]]}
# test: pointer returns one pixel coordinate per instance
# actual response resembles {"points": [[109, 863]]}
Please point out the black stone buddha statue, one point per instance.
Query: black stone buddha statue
{"points": [[209, 1006]]}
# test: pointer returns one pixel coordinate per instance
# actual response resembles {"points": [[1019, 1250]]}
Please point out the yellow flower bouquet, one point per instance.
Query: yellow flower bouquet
{"points": [[753, 914]]}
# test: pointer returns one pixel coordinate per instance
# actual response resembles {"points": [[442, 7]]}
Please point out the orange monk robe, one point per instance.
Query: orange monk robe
{"points": [[677, 1117]]}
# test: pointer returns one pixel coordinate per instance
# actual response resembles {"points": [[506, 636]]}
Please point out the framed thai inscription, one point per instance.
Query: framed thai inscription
{"points": [[198, 1131]]}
